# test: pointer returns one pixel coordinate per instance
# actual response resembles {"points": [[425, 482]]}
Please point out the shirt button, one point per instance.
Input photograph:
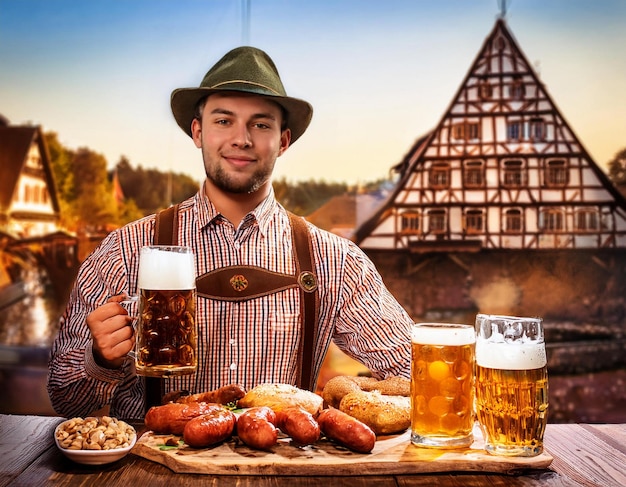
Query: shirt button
{"points": [[232, 341], [233, 366], [237, 245]]}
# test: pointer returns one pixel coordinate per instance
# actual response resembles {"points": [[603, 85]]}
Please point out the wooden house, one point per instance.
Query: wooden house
{"points": [[500, 208], [28, 201]]}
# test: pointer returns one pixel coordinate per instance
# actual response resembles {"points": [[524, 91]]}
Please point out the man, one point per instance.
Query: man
{"points": [[242, 120]]}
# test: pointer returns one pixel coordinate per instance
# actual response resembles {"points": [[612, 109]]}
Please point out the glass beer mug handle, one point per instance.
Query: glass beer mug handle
{"points": [[127, 304]]}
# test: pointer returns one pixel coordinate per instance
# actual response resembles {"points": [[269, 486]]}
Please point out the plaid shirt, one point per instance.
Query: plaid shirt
{"points": [[247, 343]]}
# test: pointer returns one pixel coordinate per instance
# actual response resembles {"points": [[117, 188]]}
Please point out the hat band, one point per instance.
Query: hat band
{"points": [[248, 83]]}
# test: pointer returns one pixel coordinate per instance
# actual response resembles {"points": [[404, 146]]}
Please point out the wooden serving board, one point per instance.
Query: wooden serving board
{"points": [[392, 455]]}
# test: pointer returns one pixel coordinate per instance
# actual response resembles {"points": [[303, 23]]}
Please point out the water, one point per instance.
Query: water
{"points": [[28, 326]]}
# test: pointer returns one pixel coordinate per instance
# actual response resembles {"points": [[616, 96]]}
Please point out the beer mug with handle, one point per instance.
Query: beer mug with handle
{"points": [[166, 334], [511, 384]]}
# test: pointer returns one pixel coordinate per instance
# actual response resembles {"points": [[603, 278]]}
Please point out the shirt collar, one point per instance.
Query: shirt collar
{"points": [[263, 213]]}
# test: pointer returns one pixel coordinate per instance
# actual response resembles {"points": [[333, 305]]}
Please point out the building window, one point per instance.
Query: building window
{"points": [[514, 174], [410, 222], [465, 131], [437, 221], [537, 129], [485, 90], [556, 172], [472, 131], [586, 220], [514, 130], [516, 89], [474, 221], [474, 174], [513, 220], [552, 220], [439, 177]]}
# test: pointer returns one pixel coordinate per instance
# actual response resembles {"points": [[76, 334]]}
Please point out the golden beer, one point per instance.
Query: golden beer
{"points": [[442, 385], [512, 407], [166, 329], [511, 385]]}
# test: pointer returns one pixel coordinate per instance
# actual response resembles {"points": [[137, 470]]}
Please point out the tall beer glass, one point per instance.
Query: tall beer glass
{"points": [[511, 384], [166, 330], [442, 385]]}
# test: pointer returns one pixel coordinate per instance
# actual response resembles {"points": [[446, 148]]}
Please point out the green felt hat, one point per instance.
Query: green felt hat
{"points": [[248, 70]]}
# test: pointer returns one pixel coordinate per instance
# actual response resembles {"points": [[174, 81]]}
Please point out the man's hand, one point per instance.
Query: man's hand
{"points": [[112, 332]]}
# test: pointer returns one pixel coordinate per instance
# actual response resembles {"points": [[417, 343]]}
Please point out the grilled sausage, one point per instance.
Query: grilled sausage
{"points": [[223, 395], [346, 430], [255, 427], [171, 418], [299, 424], [209, 429]]}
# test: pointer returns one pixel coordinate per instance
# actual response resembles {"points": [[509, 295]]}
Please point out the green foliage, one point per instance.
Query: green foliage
{"points": [[152, 190], [94, 204], [617, 170], [61, 164]]}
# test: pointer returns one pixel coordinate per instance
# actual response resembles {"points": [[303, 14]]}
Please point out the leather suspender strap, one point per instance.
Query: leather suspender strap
{"points": [[310, 299], [165, 233], [166, 226]]}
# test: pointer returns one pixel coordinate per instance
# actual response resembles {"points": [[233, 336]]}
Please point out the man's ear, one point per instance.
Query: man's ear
{"points": [[285, 140], [196, 132]]}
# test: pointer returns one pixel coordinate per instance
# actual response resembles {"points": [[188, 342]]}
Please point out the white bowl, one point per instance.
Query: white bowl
{"points": [[93, 457]]}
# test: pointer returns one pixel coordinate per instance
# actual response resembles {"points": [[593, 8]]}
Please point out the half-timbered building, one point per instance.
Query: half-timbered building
{"points": [[28, 202], [500, 208]]}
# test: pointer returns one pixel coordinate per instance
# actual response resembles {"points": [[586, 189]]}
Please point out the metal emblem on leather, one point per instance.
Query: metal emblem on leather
{"points": [[239, 282], [307, 281]]}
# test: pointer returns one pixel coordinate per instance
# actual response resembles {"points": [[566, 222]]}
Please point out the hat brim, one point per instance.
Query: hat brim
{"points": [[184, 100]]}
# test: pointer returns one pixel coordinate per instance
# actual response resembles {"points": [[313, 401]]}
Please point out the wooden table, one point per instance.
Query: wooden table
{"points": [[583, 455]]}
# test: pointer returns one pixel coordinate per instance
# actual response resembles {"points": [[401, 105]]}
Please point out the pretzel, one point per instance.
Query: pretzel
{"points": [[383, 405]]}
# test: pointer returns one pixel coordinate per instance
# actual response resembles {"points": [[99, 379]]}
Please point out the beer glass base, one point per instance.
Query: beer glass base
{"points": [[444, 442], [513, 450], [165, 371]]}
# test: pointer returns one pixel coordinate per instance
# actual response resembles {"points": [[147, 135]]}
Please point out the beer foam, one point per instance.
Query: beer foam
{"points": [[443, 334], [511, 356], [162, 269]]}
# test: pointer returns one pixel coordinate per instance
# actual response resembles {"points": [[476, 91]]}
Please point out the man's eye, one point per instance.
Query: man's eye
{"points": [[260, 125], [221, 121]]}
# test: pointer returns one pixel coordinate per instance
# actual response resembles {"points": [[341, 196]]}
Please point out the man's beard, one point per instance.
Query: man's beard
{"points": [[250, 184]]}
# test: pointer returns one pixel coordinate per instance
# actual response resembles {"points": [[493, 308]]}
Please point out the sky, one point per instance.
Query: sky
{"points": [[379, 74]]}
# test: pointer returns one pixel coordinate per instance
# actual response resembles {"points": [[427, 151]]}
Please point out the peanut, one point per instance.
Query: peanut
{"points": [[93, 433]]}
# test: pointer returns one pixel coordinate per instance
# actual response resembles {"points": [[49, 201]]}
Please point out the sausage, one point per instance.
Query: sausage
{"points": [[171, 418], [255, 427], [223, 395], [210, 428], [299, 424], [346, 430]]}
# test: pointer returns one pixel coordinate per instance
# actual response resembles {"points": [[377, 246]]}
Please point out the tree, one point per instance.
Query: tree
{"points": [[151, 189], [617, 171], [94, 205], [61, 164]]}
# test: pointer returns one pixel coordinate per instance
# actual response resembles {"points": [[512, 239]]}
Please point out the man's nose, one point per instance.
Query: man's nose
{"points": [[241, 137]]}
